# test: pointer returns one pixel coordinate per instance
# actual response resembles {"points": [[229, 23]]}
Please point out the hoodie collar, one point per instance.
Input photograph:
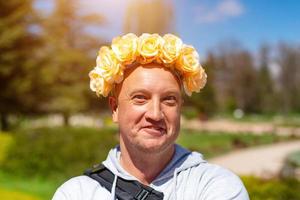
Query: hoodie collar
{"points": [[182, 160]]}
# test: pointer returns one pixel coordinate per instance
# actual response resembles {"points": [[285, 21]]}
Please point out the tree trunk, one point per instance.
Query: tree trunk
{"points": [[4, 122], [66, 119]]}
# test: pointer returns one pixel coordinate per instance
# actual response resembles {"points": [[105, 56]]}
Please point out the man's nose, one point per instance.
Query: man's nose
{"points": [[154, 111]]}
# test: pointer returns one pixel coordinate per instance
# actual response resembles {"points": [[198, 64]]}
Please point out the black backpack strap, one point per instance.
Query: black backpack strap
{"points": [[125, 189]]}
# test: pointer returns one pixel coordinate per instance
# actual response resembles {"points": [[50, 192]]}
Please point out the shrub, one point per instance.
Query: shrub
{"points": [[190, 112], [5, 141], [274, 189], [57, 152], [294, 159]]}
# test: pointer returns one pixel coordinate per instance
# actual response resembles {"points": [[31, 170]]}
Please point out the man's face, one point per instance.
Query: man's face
{"points": [[148, 108]]}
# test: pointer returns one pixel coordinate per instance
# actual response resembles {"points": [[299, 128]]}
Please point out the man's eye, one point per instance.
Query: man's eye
{"points": [[139, 98], [170, 100]]}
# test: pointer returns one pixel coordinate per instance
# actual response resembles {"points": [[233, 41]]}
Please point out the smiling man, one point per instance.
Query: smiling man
{"points": [[145, 78]]}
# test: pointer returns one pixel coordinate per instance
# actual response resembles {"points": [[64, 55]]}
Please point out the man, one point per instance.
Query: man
{"points": [[146, 77]]}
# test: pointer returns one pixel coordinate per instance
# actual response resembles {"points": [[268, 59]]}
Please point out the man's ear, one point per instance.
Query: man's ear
{"points": [[113, 104]]}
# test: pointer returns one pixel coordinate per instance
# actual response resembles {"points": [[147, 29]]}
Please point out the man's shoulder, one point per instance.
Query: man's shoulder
{"points": [[214, 171], [218, 181], [200, 173], [79, 187], [79, 181]]}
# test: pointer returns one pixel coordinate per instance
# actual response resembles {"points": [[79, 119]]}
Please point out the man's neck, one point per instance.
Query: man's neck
{"points": [[145, 166]]}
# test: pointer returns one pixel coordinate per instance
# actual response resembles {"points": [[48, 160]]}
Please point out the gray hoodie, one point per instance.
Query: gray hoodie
{"points": [[188, 176]]}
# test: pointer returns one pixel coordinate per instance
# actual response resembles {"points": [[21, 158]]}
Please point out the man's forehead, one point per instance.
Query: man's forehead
{"points": [[144, 77], [151, 71]]}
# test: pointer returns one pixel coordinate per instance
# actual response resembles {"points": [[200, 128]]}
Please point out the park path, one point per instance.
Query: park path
{"points": [[238, 127], [264, 161]]}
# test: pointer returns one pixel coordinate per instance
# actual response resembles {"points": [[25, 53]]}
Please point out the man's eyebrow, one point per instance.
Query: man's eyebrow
{"points": [[143, 90], [171, 91], [137, 90]]}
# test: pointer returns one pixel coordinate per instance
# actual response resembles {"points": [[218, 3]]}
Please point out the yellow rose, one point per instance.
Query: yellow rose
{"points": [[170, 49], [98, 84], [125, 48], [149, 47], [188, 60], [108, 66], [194, 82]]}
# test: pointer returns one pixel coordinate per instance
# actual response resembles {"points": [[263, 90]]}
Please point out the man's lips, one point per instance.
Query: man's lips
{"points": [[154, 129]]}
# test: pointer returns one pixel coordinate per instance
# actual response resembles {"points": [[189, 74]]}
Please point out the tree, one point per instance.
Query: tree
{"points": [[267, 95], [143, 16], [18, 45], [289, 77], [224, 75], [205, 101], [244, 83], [69, 55], [236, 78]]}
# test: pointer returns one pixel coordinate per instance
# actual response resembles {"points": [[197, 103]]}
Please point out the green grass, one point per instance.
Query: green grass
{"points": [[14, 195], [26, 187], [216, 143]]}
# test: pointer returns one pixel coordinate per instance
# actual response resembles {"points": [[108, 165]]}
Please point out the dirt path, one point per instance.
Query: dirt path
{"points": [[265, 161]]}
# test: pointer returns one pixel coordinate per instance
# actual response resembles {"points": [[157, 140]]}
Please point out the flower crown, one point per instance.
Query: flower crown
{"points": [[148, 48]]}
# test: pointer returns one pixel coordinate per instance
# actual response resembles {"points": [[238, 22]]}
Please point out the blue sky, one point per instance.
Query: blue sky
{"points": [[207, 23]]}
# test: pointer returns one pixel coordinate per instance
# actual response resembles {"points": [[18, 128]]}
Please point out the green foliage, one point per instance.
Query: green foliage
{"points": [[5, 141], [66, 73], [266, 92], [58, 151], [274, 189], [189, 112], [288, 120], [13, 195], [294, 159], [213, 144], [205, 101], [230, 104], [18, 46], [288, 60], [45, 59]]}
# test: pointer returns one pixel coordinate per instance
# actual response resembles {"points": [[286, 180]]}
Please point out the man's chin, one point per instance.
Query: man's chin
{"points": [[152, 147]]}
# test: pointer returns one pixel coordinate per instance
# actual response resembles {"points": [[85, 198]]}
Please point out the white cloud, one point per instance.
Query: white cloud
{"points": [[223, 10]]}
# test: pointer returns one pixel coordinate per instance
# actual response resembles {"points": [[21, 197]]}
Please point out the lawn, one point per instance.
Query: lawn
{"points": [[14, 195], [25, 188]]}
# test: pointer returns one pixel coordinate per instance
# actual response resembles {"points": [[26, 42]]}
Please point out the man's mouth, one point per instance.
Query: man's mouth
{"points": [[155, 130]]}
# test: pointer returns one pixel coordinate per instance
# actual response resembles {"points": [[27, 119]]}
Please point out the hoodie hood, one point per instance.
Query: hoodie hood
{"points": [[182, 159]]}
